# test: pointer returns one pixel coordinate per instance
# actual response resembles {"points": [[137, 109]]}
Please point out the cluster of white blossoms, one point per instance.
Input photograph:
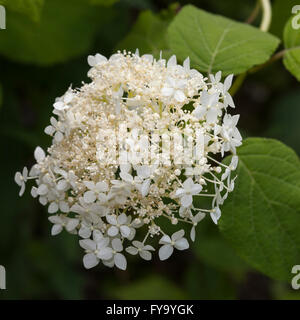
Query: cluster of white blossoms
{"points": [[143, 141]]}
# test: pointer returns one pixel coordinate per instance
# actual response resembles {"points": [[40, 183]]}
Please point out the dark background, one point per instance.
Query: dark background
{"points": [[43, 267]]}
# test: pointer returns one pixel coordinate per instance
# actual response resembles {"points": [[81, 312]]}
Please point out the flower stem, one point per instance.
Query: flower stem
{"points": [[254, 13], [267, 15], [274, 58], [264, 26]]}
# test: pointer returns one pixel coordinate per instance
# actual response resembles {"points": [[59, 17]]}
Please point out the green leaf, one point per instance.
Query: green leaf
{"points": [[148, 35], [261, 218], [31, 8], [291, 39], [56, 38], [216, 43], [105, 3], [281, 12], [152, 287]]}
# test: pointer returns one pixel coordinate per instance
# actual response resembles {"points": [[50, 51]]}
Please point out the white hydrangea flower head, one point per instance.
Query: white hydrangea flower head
{"points": [[143, 141]]}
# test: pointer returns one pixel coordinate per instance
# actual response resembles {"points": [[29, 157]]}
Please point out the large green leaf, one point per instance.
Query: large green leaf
{"points": [[261, 218], [66, 30], [217, 43], [148, 35], [291, 39], [31, 8], [103, 2]]}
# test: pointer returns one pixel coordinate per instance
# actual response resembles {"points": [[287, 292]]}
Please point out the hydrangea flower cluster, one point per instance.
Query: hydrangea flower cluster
{"points": [[143, 141]]}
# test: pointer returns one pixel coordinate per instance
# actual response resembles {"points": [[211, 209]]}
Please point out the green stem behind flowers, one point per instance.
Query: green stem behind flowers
{"points": [[265, 5]]}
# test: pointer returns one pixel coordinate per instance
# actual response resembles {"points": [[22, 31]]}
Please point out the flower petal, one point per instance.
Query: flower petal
{"points": [[105, 254], [132, 250], [22, 190], [167, 92], [53, 207], [148, 247], [97, 236], [55, 219], [125, 231], [117, 245], [177, 235], [172, 61], [181, 244], [42, 190], [112, 231], [39, 154], [145, 187], [122, 218], [18, 178], [146, 255], [111, 219], [193, 234], [165, 240], [179, 96], [165, 252], [62, 185], [215, 215], [90, 260], [64, 207], [56, 229], [138, 244], [89, 197], [88, 244], [186, 200], [120, 261], [72, 224], [85, 232]]}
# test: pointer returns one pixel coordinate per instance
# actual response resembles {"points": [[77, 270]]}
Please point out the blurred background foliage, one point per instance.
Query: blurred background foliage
{"points": [[43, 51]]}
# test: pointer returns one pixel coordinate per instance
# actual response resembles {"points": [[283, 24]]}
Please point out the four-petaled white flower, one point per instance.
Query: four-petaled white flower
{"points": [[145, 173], [95, 189], [119, 191], [195, 220], [231, 167], [230, 133], [20, 179], [118, 225], [59, 203], [118, 258], [63, 102], [141, 249], [60, 222], [96, 249], [168, 243], [69, 180], [96, 59], [209, 107], [175, 89], [215, 215], [89, 211], [226, 95], [56, 128], [186, 193], [88, 227]]}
